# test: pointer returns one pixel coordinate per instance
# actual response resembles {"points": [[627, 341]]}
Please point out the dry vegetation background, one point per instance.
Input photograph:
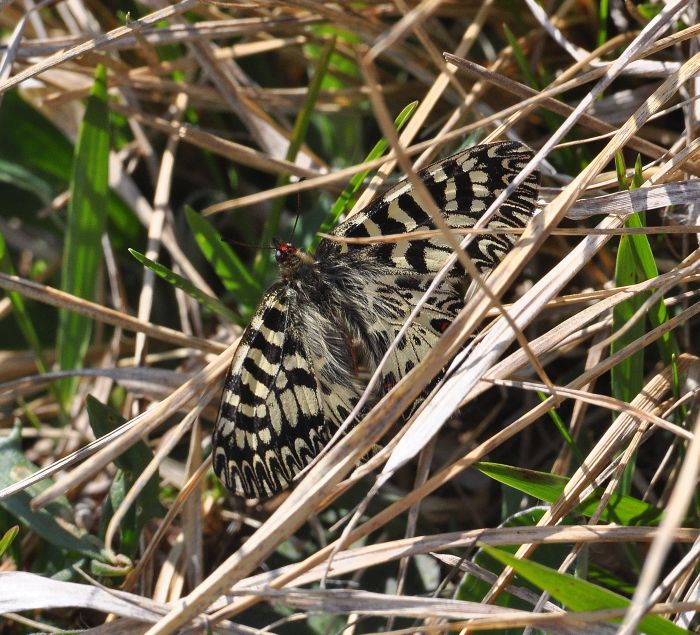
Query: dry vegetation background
{"points": [[228, 118]]}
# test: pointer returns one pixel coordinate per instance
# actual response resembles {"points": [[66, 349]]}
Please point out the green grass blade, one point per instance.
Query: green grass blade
{"points": [[646, 263], [233, 274], [603, 14], [19, 309], [213, 304], [7, 539], [621, 509], [30, 140], [20, 177], [580, 595], [342, 204], [552, 121], [562, 429], [635, 263], [627, 377], [82, 251], [520, 58]]}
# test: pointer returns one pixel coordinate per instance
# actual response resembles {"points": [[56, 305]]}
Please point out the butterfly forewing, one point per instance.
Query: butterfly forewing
{"points": [[271, 421], [321, 331]]}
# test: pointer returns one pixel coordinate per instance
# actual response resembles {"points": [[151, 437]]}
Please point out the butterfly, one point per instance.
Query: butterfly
{"points": [[319, 333]]}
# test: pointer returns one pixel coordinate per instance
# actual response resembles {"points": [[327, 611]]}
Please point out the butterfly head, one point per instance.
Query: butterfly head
{"points": [[290, 258]]}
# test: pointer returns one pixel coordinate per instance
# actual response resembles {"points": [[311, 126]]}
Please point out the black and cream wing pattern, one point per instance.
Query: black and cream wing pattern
{"points": [[319, 333]]}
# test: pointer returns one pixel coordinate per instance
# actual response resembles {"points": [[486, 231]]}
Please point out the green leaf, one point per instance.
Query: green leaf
{"points": [[228, 266], [213, 304], [649, 10], [472, 587], [23, 178], [7, 539], [520, 58], [603, 13], [627, 377], [45, 521], [37, 157], [343, 202], [644, 256], [579, 595], [343, 68], [131, 463], [30, 140], [621, 509], [82, 251], [104, 420], [562, 429], [552, 121]]}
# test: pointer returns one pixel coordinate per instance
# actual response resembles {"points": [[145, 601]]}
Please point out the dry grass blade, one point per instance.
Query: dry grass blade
{"points": [[106, 448], [104, 314], [360, 558], [676, 510]]}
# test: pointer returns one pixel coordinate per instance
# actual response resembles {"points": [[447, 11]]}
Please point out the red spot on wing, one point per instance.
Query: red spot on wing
{"points": [[441, 325]]}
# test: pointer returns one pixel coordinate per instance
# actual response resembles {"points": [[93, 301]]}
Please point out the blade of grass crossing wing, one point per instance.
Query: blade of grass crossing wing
{"points": [[343, 202], [580, 595], [299, 131], [213, 304], [228, 266], [82, 252]]}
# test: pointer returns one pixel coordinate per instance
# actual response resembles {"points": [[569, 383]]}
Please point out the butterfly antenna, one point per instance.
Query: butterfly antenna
{"points": [[296, 219], [240, 243]]}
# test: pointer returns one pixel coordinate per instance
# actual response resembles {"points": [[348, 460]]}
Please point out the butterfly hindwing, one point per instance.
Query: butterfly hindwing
{"points": [[422, 334], [463, 187]]}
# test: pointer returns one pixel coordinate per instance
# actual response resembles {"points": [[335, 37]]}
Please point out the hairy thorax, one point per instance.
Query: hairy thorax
{"points": [[340, 307]]}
